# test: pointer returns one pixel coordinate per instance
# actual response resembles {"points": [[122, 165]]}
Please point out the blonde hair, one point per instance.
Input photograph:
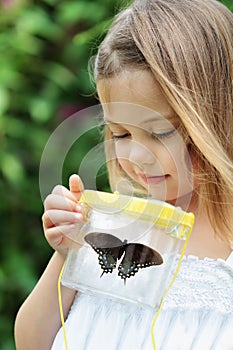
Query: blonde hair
{"points": [[188, 47]]}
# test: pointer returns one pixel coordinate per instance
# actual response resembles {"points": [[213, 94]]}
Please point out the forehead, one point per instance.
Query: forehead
{"points": [[133, 96]]}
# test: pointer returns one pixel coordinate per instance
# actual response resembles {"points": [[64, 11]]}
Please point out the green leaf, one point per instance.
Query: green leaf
{"points": [[59, 74], [4, 99], [37, 21], [12, 168], [41, 110], [93, 32], [14, 127], [228, 3], [73, 12], [26, 43], [18, 271], [9, 76], [20, 129]]}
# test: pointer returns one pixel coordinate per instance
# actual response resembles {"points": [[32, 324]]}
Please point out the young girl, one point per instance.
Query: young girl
{"points": [[175, 58]]}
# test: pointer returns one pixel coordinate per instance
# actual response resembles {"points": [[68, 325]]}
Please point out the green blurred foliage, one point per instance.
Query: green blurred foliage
{"points": [[45, 47]]}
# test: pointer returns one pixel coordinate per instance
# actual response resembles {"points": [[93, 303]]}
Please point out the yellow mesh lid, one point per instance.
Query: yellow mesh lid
{"points": [[161, 213]]}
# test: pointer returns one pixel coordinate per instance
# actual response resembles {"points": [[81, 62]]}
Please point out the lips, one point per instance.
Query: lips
{"points": [[153, 180]]}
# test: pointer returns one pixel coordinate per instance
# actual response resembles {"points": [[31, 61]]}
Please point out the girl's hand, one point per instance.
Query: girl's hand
{"points": [[63, 214]]}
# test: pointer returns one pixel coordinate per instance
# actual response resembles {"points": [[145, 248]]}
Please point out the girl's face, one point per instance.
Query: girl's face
{"points": [[145, 133]]}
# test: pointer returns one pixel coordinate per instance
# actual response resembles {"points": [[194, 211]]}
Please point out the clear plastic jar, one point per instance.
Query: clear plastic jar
{"points": [[126, 247]]}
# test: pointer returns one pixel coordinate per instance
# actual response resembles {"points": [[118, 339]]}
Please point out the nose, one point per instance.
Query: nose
{"points": [[140, 154]]}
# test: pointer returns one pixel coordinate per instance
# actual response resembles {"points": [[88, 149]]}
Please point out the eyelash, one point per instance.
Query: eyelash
{"points": [[117, 137], [163, 135], [154, 135]]}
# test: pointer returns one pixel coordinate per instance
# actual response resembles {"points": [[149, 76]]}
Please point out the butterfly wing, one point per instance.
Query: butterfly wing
{"points": [[108, 248], [137, 256]]}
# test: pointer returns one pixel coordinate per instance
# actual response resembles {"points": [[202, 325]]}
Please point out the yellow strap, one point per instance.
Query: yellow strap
{"points": [[167, 290], [61, 308]]}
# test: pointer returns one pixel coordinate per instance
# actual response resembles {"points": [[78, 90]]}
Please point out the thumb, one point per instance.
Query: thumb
{"points": [[76, 186]]}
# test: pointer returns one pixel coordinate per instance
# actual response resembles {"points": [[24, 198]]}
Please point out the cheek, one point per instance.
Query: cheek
{"points": [[122, 150], [126, 166], [179, 157], [122, 155], [184, 171], [168, 160]]}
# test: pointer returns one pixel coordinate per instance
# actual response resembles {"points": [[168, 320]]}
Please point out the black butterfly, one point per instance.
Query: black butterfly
{"points": [[110, 249]]}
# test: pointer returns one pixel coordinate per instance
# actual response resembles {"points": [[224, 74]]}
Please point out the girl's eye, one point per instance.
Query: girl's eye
{"points": [[163, 135], [122, 136], [158, 136]]}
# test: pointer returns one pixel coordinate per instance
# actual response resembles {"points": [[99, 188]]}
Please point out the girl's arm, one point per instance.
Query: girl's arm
{"points": [[38, 319]]}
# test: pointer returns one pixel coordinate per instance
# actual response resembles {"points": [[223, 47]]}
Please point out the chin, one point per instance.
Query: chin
{"points": [[182, 201]]}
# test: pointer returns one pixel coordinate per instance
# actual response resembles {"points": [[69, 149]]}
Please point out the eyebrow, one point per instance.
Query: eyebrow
{"points": [[170, 118]]}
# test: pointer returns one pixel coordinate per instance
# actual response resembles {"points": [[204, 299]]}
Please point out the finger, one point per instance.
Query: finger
{"points": [[63, 191], [59, 202], [55, 217], [60, 238], [55, 234], [76, 186]]}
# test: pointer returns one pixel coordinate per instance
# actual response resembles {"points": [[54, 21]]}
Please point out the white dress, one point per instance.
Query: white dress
{"points": [[197, 315]]}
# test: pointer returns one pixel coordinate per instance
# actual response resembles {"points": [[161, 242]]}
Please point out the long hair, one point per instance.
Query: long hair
{"points": [[188, 47]]}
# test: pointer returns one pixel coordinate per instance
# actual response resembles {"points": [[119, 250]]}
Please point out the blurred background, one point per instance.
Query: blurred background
{"points": [[45, 47]]}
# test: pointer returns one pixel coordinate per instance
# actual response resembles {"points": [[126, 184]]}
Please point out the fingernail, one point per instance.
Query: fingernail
{"points": [[78, 216], [78, 207]]}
